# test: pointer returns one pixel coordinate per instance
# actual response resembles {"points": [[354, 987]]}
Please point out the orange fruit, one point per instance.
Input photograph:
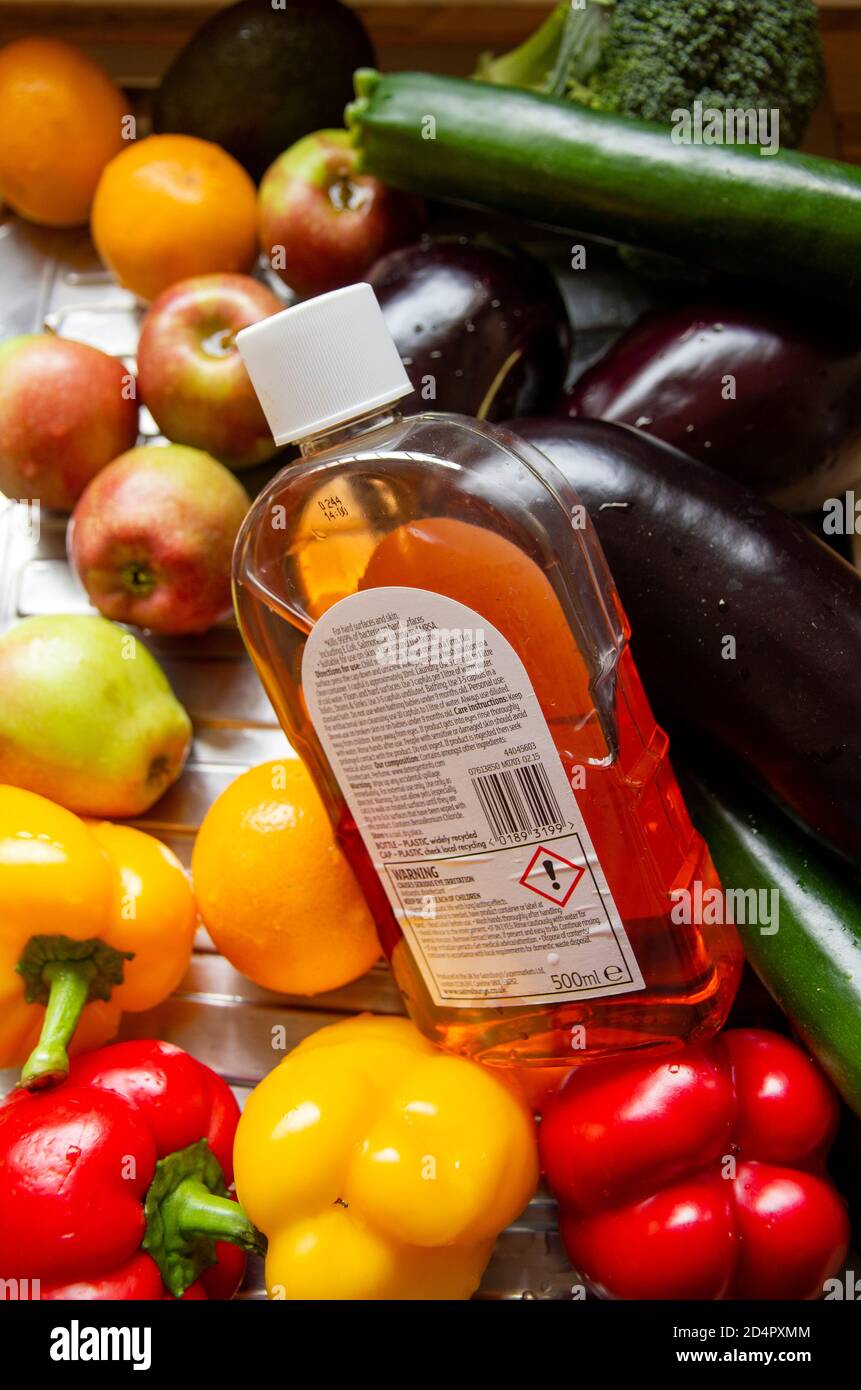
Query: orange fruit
{"points": [[170, 207], [61, 120], [274, 889]]}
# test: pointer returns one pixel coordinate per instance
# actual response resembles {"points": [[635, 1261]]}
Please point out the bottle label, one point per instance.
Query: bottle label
{"points": [[434, 732]]}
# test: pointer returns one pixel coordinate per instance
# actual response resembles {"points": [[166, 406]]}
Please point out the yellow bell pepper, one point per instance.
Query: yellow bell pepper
{"points": [[381, 1168], [95, 919]]}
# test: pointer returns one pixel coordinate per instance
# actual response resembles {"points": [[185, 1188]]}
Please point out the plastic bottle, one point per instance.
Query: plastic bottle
{"points": [[434, 622]]}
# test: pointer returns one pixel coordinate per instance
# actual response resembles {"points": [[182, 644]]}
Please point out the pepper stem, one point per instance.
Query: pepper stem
{"points": [[64, 975], [187, 1211], [193, 1210], [68, 984]]}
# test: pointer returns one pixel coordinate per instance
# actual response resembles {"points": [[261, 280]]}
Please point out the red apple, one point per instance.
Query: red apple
{"points": [[152, 537], [65, 411], [321, 222], [191, 375]]}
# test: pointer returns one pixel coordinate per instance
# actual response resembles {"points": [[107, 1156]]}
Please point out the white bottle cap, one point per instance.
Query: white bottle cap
{"points": [[323, 362]]}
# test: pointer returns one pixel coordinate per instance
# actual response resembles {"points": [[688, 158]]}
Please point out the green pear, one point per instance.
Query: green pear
{"points": [[87, 716]]}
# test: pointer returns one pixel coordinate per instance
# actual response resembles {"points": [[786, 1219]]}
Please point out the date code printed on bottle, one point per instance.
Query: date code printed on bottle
{"points": [[441, 750]]}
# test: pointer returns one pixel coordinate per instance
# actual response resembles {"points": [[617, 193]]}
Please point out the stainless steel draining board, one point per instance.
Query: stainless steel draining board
{"points": [[53, 279]]}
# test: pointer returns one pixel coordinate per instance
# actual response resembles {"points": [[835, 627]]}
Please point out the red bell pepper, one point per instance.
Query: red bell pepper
{"points": [[115, 1184], [700, 1175]]}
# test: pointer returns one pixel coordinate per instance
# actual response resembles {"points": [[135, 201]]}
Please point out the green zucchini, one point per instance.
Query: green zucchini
{"points": [[812, 964], [787, 217]]}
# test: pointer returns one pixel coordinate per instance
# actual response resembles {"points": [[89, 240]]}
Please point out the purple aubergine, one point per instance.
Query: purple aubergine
{"points": [[746, 628], [771, 403], [481, 328]]}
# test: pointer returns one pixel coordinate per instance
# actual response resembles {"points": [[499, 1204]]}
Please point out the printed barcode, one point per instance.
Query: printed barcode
{"points": [[519, 800]]}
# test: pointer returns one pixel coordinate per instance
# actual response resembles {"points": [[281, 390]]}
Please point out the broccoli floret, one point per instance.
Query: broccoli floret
{"points": [[648, 58]]}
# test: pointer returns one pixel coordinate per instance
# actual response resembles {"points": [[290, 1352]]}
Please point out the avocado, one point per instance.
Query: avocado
{"points": [[261, 74]]}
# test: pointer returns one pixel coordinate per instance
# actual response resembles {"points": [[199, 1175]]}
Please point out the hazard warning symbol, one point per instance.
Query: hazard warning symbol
{"points": [[551, 876]]}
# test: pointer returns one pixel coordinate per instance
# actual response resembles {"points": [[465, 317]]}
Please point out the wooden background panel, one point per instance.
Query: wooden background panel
{"points": [[136, 40], [841, 39]]}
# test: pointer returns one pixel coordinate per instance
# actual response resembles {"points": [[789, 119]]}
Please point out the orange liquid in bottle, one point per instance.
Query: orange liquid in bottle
{"points": [[372, 533]]}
